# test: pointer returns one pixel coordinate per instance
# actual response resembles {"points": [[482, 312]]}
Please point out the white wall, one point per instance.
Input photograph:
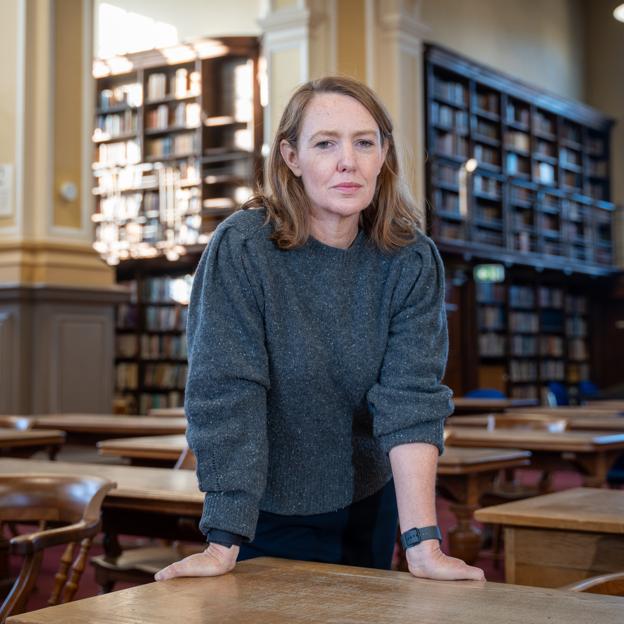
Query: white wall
{"points": [[538, 41], [175, 20]]}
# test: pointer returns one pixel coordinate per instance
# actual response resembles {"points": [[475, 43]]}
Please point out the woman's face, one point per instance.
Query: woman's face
{"points": [[339, 155]]}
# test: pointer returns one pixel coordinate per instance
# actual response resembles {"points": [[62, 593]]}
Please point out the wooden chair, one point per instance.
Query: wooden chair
{"points": [[66, 510], [606, 584], [139, 564], [506, 488]]}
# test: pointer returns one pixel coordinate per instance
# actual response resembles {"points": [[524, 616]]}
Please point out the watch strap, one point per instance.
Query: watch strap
{"points": [[414, 536]]}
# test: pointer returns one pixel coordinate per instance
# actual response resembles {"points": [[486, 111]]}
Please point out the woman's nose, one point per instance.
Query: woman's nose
{"points": [[346, 161]]}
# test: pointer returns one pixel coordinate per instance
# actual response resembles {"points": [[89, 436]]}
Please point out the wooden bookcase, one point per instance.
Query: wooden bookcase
{"points": [[532, 333], [177, 142], [515, 174], [177, 148]]}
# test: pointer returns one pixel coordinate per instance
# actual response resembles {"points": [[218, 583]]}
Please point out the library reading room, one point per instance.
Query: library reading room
{"points": [[311, 311]]}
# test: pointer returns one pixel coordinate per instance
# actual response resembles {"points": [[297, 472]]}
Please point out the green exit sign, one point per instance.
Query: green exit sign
{"points": [[489, 273]]}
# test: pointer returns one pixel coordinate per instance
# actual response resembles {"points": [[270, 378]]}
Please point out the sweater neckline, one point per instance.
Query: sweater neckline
{"points": [[317, 245]]}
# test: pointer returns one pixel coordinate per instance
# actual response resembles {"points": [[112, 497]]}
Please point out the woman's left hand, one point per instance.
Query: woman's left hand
{"points": [[426, 560]]}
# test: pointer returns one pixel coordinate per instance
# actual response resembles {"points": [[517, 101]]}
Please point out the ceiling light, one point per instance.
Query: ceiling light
{"points": [[618, 13]]}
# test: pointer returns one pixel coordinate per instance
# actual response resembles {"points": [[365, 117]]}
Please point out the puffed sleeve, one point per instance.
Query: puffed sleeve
{"points": [[228, 379], [409, 403]]}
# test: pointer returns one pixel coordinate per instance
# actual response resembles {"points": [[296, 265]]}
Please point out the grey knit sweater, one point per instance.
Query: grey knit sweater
{"points": [[306, 367]]}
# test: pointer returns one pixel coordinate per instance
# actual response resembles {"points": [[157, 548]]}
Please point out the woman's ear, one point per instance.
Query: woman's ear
{"points": [[289, 154]]}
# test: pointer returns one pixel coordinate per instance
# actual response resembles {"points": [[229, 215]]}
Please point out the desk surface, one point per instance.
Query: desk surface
{"points": [[111, 424], [581, 411], [11, 438], [274, 591], [579, 509], [575, 423], [575, 441], [173, 491], [468, 405], [454, 460]]}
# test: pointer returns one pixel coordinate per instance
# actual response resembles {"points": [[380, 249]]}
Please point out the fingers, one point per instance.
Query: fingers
{"points": [[200, 564], [443, 568]]}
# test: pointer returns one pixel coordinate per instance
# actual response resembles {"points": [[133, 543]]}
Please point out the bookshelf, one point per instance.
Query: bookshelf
{"points": [[515, 174], [151, 354], [177, 148], [177, 145], [531, 333]]}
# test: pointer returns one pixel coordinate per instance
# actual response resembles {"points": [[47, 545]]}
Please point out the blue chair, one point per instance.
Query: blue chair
{"points": [[588, 390], [485, 393], [557, 394]]}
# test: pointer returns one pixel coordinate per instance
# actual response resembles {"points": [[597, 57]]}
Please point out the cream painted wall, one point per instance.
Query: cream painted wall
{"points": [[192, 18], [605, 90], [539, 41], [8, 91]]}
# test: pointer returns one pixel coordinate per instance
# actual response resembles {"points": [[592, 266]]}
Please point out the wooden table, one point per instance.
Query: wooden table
{"points": [[277, 591], [147, 450], [160, 412], [561, 538], [467, 405], [580, 411], [153, 502], [575, 423], [463, 476], [24, 443], [89, 428], [590, 452], [617, 404]]}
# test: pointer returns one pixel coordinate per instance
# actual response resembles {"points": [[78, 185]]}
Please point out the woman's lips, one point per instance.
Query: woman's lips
{"points": [[347, 186]]}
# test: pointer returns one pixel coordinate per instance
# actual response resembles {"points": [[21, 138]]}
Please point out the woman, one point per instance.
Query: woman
{"points": [[317, 343]]}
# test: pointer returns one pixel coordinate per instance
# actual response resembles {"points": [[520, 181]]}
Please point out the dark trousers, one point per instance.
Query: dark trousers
{"points": [[362, 534]]}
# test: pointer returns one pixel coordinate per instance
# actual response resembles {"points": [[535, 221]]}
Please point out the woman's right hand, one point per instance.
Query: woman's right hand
{"points": [[214, 561]]}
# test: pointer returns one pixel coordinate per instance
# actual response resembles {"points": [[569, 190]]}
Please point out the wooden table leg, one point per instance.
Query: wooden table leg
{"points": [[464, 539]]}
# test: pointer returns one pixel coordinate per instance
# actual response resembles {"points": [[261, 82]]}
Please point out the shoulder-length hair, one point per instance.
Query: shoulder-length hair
{"points": [[392, 218]]}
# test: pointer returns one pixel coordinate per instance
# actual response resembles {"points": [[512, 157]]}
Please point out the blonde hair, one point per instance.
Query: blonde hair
{"points": [[392, 218]]}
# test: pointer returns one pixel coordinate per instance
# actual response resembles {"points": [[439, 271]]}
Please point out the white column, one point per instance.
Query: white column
{"points": [[395, 36], [299, 43]]}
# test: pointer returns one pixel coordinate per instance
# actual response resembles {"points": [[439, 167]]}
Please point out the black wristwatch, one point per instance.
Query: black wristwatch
{"points": [[224, 538], [414, 536]]}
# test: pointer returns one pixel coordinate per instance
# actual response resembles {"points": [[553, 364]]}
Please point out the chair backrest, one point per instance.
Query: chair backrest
{"points": [[16, 422], [66, 510], [557, 394], [485, 393], [607, 584], [537, 422]]}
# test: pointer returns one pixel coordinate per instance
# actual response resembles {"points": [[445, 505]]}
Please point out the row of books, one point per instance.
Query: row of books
{"points": [[488, 292], [523, 322], [126, 346], [182, 83], [165, 319], [522, 345], [491, 317], [183, 115], [127, 316], [551, 346], [152, 400], [166, 376], [161, 289], [122, 152], [492, 345], [448, 117], [180, 144], [163, 347], [115, 124], [126, 376], [119, 208], [128, 94]]}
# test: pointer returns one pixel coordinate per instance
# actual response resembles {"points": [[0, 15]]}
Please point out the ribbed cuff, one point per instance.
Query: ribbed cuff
{"points": [[235, 512], [430, 432]]}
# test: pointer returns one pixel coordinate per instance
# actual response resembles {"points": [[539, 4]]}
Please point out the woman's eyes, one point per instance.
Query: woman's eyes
{"points": [[362, 143]]}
